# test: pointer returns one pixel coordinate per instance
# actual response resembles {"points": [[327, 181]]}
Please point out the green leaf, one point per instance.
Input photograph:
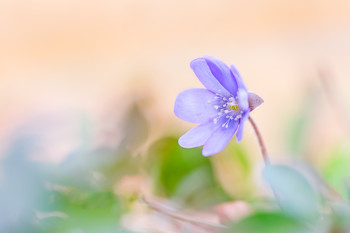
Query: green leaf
{"points": [[336, 169], [88, 212], [341, 216], [294, 193], [183, 173], [269, 223], [233, 169]]}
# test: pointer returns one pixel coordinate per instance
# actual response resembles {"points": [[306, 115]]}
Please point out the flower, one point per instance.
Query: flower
{"points": [[220, 110]]}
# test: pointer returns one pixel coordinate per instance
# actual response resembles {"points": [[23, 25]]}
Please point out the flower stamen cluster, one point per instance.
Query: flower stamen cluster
{"points": [[227, 107]]}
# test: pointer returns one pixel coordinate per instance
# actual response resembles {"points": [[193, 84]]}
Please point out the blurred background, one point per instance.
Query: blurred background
{"points": [[87, 90]]}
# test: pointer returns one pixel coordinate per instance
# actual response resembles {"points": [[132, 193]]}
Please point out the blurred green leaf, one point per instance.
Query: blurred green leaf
{"points": [[341, 216], [22, 189], [184, 173], [336, 169], [83, 211], [72, 196], [234, 170], [294, 193], [269, 223]]}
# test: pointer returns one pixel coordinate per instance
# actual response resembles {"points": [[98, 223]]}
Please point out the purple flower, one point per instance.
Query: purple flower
{"points": [[220, 110]]}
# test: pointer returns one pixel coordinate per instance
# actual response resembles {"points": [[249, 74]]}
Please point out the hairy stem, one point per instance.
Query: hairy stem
{"points": [[261, 142], [265, 156]]}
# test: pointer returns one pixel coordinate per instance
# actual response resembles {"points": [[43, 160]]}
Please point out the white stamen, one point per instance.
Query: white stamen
{"points": [[227, 111], [231, 99], [224, 98], [226, 123], [216, 107]]}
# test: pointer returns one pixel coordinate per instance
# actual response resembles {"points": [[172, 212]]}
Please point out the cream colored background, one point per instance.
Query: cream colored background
{"points": [[97, 55]]}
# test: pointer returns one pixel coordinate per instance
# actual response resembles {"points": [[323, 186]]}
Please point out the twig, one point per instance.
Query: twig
{"points": [[171, 213]]}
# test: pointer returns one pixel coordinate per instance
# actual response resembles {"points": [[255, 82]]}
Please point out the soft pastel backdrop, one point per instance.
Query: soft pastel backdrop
{"points": [[64, 59], [90, 55]]}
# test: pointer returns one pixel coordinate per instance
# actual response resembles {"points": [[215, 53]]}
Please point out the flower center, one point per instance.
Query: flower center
{"points": [[228, 109], [233, 106]]}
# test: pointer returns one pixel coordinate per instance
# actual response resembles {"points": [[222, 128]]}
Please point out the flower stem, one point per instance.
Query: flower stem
{"points": [[265, 156], [261, 142]]}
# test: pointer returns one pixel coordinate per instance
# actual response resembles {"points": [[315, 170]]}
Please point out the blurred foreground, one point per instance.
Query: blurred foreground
{"points": [[70, 173]]}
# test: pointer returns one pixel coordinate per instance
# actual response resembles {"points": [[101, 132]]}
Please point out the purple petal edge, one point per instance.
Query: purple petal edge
{"points": [[192, 105], [219, 140], [202, 70]]}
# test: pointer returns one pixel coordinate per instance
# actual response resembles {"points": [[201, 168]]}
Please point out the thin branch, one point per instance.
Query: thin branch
{"points": [[173, 214]]}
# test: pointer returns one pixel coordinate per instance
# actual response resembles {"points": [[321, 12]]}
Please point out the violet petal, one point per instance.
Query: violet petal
{"points": [[201, 68], [222, 73], [198, 135], [239, 134], [242, 96], [192, 105], [238, 77], [219, 139]]}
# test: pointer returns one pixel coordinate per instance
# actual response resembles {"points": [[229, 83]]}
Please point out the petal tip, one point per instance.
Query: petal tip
{"points": [[195, 62], [182, 142], [206, 154]]}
